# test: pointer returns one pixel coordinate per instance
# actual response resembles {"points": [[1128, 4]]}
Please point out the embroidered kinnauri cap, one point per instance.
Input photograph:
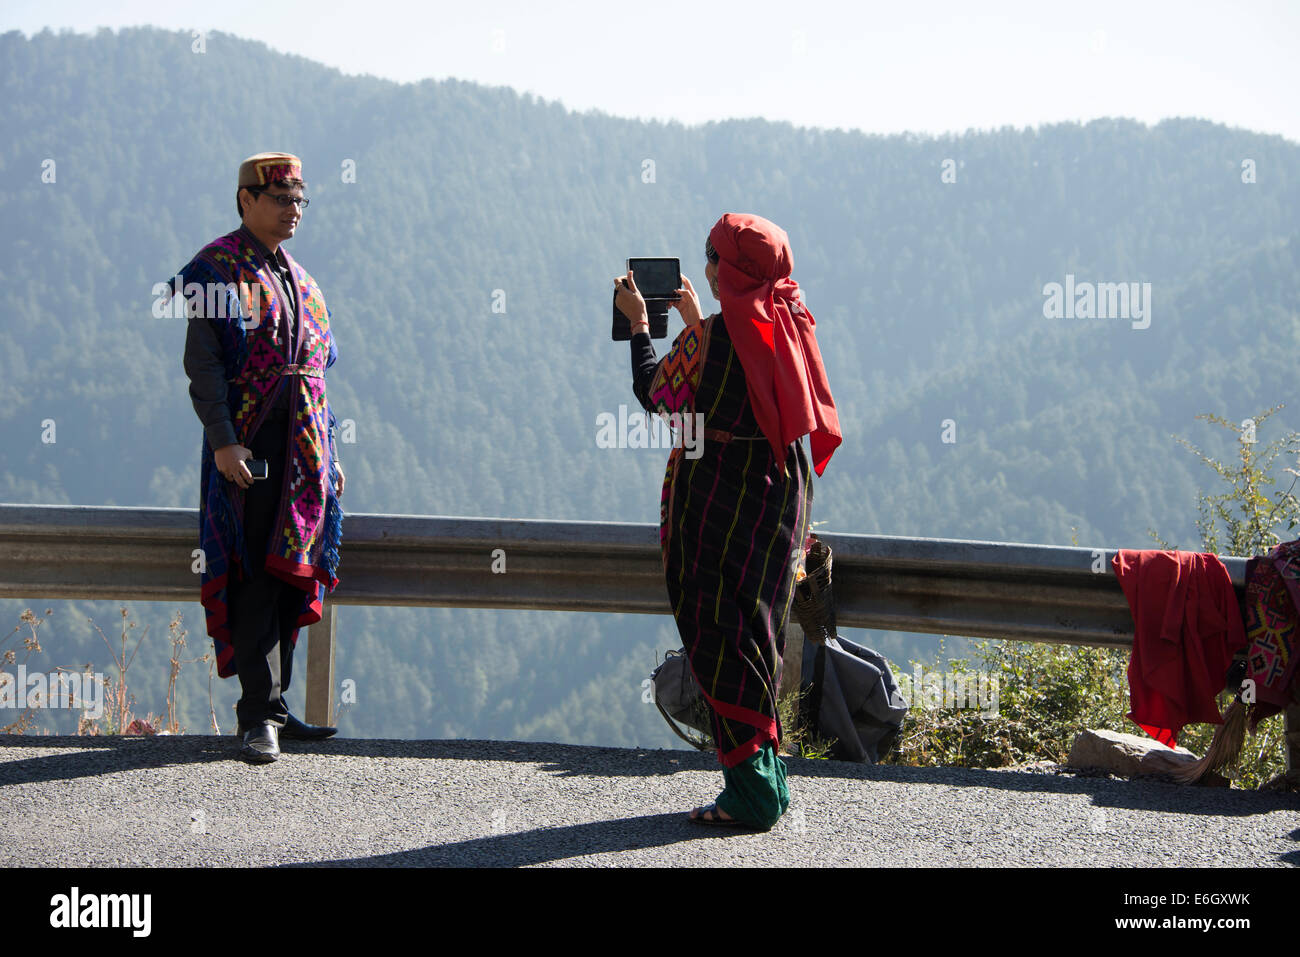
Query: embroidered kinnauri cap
{"points": [[264, 168]]}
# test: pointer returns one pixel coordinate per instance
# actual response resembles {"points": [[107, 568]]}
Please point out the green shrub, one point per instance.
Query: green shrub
{"points": [[1049, 693]]}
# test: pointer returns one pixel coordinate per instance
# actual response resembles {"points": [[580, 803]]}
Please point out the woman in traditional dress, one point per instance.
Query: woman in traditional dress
{"points": [[733, 521]]}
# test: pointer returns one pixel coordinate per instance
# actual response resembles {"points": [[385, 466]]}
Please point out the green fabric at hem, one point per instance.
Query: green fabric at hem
{"points": [[755, 791]]}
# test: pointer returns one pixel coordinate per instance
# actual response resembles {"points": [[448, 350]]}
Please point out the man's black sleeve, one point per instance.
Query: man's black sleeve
{"points": [[207, 372]]}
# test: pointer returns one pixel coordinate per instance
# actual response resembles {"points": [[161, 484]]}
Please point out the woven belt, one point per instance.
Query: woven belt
{"points": [[718, 435], [306, 372]]}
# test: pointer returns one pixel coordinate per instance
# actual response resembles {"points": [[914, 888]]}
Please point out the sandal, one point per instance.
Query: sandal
{"points": [[711, 815]]}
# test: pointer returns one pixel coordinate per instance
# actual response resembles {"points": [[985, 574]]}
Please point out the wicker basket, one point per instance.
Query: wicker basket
{"points": [[814, 603]]}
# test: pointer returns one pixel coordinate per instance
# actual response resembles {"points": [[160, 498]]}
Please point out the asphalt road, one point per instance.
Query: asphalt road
{"points": [[111, 802]]}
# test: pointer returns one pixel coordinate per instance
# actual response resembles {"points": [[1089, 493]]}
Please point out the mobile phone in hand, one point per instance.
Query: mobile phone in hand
{"points": [[257, 467]]}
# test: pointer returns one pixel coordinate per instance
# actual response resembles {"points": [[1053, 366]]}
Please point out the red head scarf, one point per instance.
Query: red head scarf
{"points": [[772, 332]]}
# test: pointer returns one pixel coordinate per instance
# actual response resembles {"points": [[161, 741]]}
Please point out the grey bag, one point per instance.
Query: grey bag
{"points": [[680, 701], [848, 691], [851, 695]]}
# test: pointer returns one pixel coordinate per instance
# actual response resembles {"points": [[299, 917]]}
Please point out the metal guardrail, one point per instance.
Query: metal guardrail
{"points": [[926, 585]]}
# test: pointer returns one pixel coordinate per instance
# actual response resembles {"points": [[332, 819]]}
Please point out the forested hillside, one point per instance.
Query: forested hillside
{"points": [[923, 259]]}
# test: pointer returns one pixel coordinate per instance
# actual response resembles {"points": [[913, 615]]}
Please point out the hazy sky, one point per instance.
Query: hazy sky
{"points": [[880, 67]]}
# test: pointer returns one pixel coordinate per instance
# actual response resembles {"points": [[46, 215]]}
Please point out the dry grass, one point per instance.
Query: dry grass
{"points": [[118, 716]]}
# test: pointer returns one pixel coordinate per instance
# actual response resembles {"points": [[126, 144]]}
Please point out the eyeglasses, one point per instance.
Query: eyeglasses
{"points": [[283, 199]]}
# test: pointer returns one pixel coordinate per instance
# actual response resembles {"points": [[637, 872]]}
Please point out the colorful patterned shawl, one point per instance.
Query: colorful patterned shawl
{"points": [[673, 390], [1272, 598], [303, 548]]}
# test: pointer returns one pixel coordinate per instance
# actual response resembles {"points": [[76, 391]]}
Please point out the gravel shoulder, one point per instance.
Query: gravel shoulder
{"points": [[187, 801]]}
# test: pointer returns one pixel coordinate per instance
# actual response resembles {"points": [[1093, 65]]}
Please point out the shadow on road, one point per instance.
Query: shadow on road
{"points": [[89, 756], [543, 845], [92, 755]]}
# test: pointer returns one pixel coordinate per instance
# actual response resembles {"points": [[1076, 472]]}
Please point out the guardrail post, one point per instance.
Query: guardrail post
{"points": [[792, 660], [320, 668]]}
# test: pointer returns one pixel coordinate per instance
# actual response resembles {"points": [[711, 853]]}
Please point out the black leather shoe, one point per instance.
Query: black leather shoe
{"points": [[297, 730], [261, 744]]}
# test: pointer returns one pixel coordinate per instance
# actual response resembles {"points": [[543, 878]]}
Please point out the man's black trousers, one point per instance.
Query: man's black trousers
{"points": [[263, 610]]}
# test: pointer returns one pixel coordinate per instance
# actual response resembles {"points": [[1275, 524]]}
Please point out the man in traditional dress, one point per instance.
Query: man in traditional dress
{"points": [[257, 348]]}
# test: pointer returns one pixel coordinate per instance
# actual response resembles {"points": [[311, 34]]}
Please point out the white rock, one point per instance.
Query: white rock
{"points": [[1116, 752]]}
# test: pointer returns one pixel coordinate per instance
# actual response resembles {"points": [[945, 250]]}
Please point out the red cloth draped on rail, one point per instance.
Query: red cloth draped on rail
{"points": [[1186, 628]]}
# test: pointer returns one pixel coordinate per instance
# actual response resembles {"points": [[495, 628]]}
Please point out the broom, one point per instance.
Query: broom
{"points": [[1224, 749]]}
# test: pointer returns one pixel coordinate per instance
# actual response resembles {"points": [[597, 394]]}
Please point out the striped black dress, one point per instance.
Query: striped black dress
{"points": [[732, 521]]}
